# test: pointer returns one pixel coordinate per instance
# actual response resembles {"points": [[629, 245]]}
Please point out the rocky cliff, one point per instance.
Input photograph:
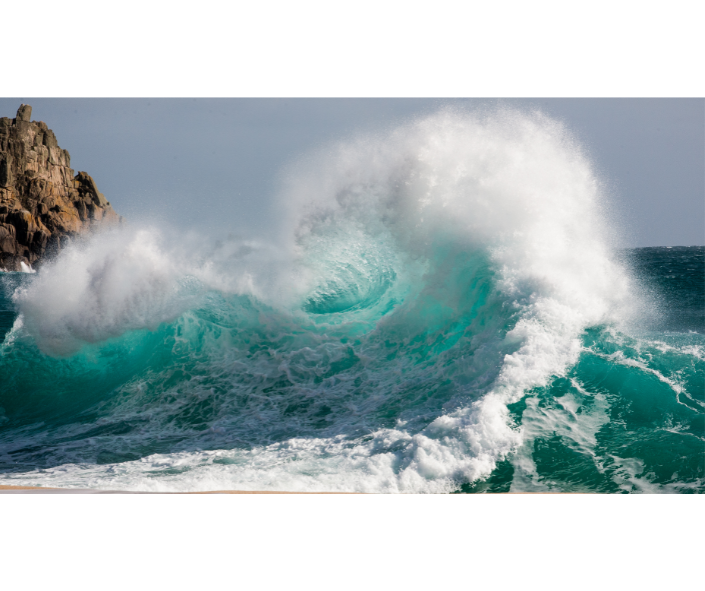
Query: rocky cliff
{"points": [[42, 204]]}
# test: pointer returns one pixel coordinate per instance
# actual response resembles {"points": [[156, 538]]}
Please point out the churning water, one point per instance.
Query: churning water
{"points": [[444, 309]]}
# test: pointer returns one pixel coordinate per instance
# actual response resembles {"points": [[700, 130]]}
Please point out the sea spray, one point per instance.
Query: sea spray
{"points": [[119, 281], [442, 309]]}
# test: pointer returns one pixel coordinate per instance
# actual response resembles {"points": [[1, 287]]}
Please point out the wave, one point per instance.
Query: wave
{"points": [[423, 285]]}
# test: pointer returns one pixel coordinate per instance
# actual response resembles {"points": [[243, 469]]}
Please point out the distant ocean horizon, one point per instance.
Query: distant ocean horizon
{"points": [[448, 309]]}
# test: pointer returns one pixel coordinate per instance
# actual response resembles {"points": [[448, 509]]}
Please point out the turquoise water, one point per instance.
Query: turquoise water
{"points": [[399, 348], [235, 375]]}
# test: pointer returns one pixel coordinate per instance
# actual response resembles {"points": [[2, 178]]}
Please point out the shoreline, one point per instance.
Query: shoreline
{"points": [[9, 489]]}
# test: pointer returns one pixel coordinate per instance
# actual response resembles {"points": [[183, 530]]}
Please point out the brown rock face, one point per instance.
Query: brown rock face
{"points": [[42, 204]]}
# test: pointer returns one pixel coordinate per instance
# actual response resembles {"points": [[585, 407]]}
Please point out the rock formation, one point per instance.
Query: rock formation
{"points": [[42, 204]]}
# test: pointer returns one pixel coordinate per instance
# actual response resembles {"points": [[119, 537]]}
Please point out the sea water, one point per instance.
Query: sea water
{"points": [[445, 307]]}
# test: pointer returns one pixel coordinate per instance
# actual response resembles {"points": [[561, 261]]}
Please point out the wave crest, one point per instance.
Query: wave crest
{"points": [[423, 280]]}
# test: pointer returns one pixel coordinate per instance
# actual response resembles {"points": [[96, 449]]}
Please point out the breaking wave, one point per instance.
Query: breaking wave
{"points": [[442, 306]]}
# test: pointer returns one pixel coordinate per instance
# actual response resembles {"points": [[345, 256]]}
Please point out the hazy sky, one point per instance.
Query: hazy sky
{"points": [[213, 164]]}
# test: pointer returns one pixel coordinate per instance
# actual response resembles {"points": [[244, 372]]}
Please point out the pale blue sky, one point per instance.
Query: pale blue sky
{"points": [[212, 164]]}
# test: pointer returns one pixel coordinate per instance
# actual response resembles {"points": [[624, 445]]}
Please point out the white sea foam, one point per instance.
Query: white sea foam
{"points": [[575, 418], [631, 476]]}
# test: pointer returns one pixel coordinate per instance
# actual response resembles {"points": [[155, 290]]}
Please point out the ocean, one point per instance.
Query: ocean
{"points": [[445, 307]]}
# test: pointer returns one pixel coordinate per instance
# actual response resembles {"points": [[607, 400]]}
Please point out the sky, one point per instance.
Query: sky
{"points": [[213, 165]]}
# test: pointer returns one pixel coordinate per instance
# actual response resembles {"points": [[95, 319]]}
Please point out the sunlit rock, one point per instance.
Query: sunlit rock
{"points": [[42, 204]]}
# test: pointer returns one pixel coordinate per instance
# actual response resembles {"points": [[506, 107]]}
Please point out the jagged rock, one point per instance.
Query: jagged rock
{"points": [[42, 204], [5, 170], [24, 113]]}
